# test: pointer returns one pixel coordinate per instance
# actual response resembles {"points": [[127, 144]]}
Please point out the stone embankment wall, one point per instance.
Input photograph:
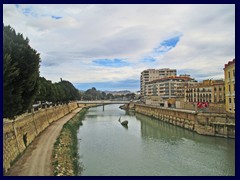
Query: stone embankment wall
{"points": [[19, 133], [213, 124]]}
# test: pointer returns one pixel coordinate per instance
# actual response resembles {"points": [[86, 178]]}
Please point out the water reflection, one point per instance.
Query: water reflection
{"points": [[154, 128], [148, 146]]}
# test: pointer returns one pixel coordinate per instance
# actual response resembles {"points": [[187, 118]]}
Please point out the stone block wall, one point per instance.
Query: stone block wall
{"points": [[25, 131], [185, 119], [188, 105], [52, 114], [10, 145], [18, 134], [41, 120], [217, 107], [213, 124]]}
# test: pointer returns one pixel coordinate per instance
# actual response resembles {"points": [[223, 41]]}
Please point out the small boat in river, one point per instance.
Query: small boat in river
{"points": [[124, 123]]}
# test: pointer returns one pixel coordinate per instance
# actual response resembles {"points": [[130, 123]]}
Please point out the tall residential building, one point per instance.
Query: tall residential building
{"points": [[229, 74], [211, 91], [169, 87], [153, 74]]}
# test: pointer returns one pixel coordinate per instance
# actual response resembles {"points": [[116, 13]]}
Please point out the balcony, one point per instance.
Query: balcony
{"points": [[228, 94]]}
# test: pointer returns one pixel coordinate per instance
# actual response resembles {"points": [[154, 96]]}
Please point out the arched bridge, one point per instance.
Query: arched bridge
{"points": [[103, 102]]}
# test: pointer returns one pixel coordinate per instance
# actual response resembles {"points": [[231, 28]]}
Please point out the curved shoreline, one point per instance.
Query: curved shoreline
{"points": [[36, 160], [65, 158]]}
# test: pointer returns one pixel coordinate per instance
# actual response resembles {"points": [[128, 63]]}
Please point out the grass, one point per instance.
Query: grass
{"points": [[65, 158]]}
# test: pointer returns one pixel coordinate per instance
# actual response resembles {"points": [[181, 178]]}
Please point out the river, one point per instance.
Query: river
{"points": [[148, 147]]}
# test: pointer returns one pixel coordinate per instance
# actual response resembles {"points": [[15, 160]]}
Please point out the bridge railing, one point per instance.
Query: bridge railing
{"points": [[102, 102]]}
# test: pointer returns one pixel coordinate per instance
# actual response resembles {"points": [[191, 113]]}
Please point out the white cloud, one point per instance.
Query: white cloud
{"points": [[86, 32]]}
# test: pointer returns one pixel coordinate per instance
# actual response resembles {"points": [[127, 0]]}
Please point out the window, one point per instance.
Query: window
{"points": [[230, 101], [229, 88], [228, 74]]}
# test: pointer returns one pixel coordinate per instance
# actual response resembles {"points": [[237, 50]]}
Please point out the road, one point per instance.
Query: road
{"points": [[36, 160]]}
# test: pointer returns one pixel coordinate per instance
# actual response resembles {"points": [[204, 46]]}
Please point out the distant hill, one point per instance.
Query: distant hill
{"points": [[124, 92]]}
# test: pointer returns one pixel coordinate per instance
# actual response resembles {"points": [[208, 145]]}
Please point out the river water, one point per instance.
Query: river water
{"points": [[148, 147]]}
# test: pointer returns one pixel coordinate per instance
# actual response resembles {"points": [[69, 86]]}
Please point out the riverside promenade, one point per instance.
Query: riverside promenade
{"points": [[36, 160]]}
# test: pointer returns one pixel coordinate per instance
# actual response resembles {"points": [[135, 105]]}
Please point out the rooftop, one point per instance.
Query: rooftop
{"points": [[229, 63], [184, 78]]}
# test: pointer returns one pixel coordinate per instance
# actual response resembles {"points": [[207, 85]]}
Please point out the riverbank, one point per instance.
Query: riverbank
{"points": [[36, 159], [19, 134], [148, 147], [65, 158], [211, 124]]}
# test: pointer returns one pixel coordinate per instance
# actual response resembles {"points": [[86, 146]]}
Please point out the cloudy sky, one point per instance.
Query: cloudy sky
{"points": [[107, 46]]}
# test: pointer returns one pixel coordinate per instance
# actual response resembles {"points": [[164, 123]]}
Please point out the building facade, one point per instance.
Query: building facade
{"points": [[211, 91], [169, 87], [229, 74], [153, 74]]}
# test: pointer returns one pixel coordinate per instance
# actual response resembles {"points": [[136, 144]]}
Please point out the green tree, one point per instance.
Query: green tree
{"points": [[103, 95], [130, 96], [60, 92], [110, 96], [90, 94], [12, 101], [21, 72]]}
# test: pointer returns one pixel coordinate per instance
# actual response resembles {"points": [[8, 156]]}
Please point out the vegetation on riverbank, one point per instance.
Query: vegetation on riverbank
{"points": [[65, 158], [22, 84]]}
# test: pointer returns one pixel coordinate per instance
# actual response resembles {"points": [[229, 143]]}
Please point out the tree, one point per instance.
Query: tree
{"points": [[130, 96], [21, 72], [91, 94], [110, 96], [62, 92], [103, 96], [12, 101], [45, 90]]}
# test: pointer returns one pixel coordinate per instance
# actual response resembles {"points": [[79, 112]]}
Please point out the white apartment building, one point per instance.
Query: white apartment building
{"points": [[169, 87], [153, 74]]}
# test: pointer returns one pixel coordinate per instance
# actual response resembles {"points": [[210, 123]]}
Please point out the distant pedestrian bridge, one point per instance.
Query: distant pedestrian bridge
{"points": [[103, 102]]}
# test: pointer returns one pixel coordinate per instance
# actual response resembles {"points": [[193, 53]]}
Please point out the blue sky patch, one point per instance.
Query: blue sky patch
{"points": [[167, 45], [128, 84], [56, 17], [148, 60], [29, 11], [111, 62], [172, 42]]}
